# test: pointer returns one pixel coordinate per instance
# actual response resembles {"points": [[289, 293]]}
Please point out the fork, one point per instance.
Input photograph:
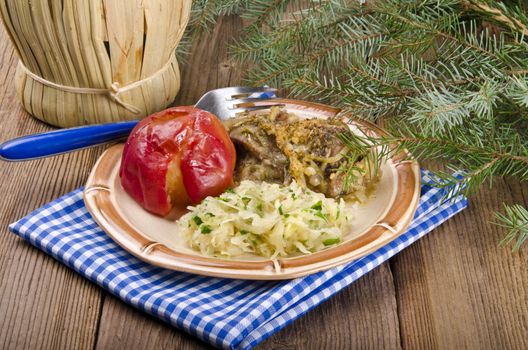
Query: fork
{"points": [[225, 103]]}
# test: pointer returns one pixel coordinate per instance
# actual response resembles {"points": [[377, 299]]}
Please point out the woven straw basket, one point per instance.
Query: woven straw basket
{"points": [[95, 61]]}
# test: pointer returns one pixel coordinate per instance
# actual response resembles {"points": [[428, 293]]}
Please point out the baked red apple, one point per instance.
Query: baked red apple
{"points": [[177, 157]]}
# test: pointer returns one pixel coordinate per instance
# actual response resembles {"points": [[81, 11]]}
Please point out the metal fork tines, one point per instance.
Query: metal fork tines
{"points": [[225, 103]]}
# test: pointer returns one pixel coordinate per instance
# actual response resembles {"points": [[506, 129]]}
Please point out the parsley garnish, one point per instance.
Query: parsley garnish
{"points": [[318, 206], [319, 214], [205, 229], [197, 220], [331, 241], [246, 201]]}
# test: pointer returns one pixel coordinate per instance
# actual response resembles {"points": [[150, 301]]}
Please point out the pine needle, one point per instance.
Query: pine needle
{"points": [[515, 221]]}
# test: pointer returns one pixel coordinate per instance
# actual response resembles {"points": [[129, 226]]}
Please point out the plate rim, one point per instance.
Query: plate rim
{"points": [[97, 198]]}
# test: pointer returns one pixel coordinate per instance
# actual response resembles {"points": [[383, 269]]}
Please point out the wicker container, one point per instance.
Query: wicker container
{"points": [[95, 61]]}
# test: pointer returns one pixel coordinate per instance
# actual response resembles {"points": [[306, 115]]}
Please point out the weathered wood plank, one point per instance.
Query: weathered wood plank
{"points": [[362, 316], [123, 327], [457, 289]]}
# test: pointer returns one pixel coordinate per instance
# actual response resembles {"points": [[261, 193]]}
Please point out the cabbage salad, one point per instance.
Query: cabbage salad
{"points": [[265, 219]]}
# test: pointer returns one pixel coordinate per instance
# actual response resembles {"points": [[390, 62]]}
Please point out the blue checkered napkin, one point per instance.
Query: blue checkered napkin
{"points": [[230, 314]]}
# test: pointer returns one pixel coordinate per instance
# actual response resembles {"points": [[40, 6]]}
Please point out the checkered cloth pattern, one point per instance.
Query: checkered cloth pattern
{"points": [[229, 314]]}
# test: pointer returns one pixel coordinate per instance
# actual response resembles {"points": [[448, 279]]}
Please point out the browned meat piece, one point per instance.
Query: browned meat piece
{"points": [[251, 168], [258, 157], [256, 141], [278, 147], [336, 185]]}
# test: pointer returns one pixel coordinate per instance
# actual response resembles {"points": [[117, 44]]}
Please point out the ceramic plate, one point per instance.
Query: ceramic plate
{"points": [[381, 219]]}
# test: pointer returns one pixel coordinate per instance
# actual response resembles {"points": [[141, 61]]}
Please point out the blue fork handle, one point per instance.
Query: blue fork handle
{"points": [[62, 141]]}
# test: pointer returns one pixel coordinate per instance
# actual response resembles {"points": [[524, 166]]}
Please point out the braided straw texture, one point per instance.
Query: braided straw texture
{"points": [[95, 61]]}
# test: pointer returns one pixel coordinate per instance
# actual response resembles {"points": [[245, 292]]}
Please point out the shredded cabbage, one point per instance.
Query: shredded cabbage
{"points": [[265, 219]]}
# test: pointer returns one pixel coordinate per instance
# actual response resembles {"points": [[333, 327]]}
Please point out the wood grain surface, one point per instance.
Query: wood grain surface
{"points": [[454, 289]]}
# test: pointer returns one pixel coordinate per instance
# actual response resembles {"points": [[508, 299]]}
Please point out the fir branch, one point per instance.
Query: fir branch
{"points": [[497, 14], [203, 16], [262, 12], [438, 110], [468, 39], [475, 155], [519, 91], [485, 157], [515, 221], [232, 7], [314, 28]]}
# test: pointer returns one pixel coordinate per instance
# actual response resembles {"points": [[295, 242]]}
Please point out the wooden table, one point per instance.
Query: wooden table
{"points": [[453, 289]]}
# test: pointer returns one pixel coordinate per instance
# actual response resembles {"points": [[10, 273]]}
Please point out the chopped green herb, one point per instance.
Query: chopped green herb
{"points": [[211, 215], [281, 211], [331, 241], [246, 201], [205, 229], [243, 232], [321, 215], [338, 213], [293, 195], [197, 220], [230, 190], [259, 207], [318, 206], [223, 199]]}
